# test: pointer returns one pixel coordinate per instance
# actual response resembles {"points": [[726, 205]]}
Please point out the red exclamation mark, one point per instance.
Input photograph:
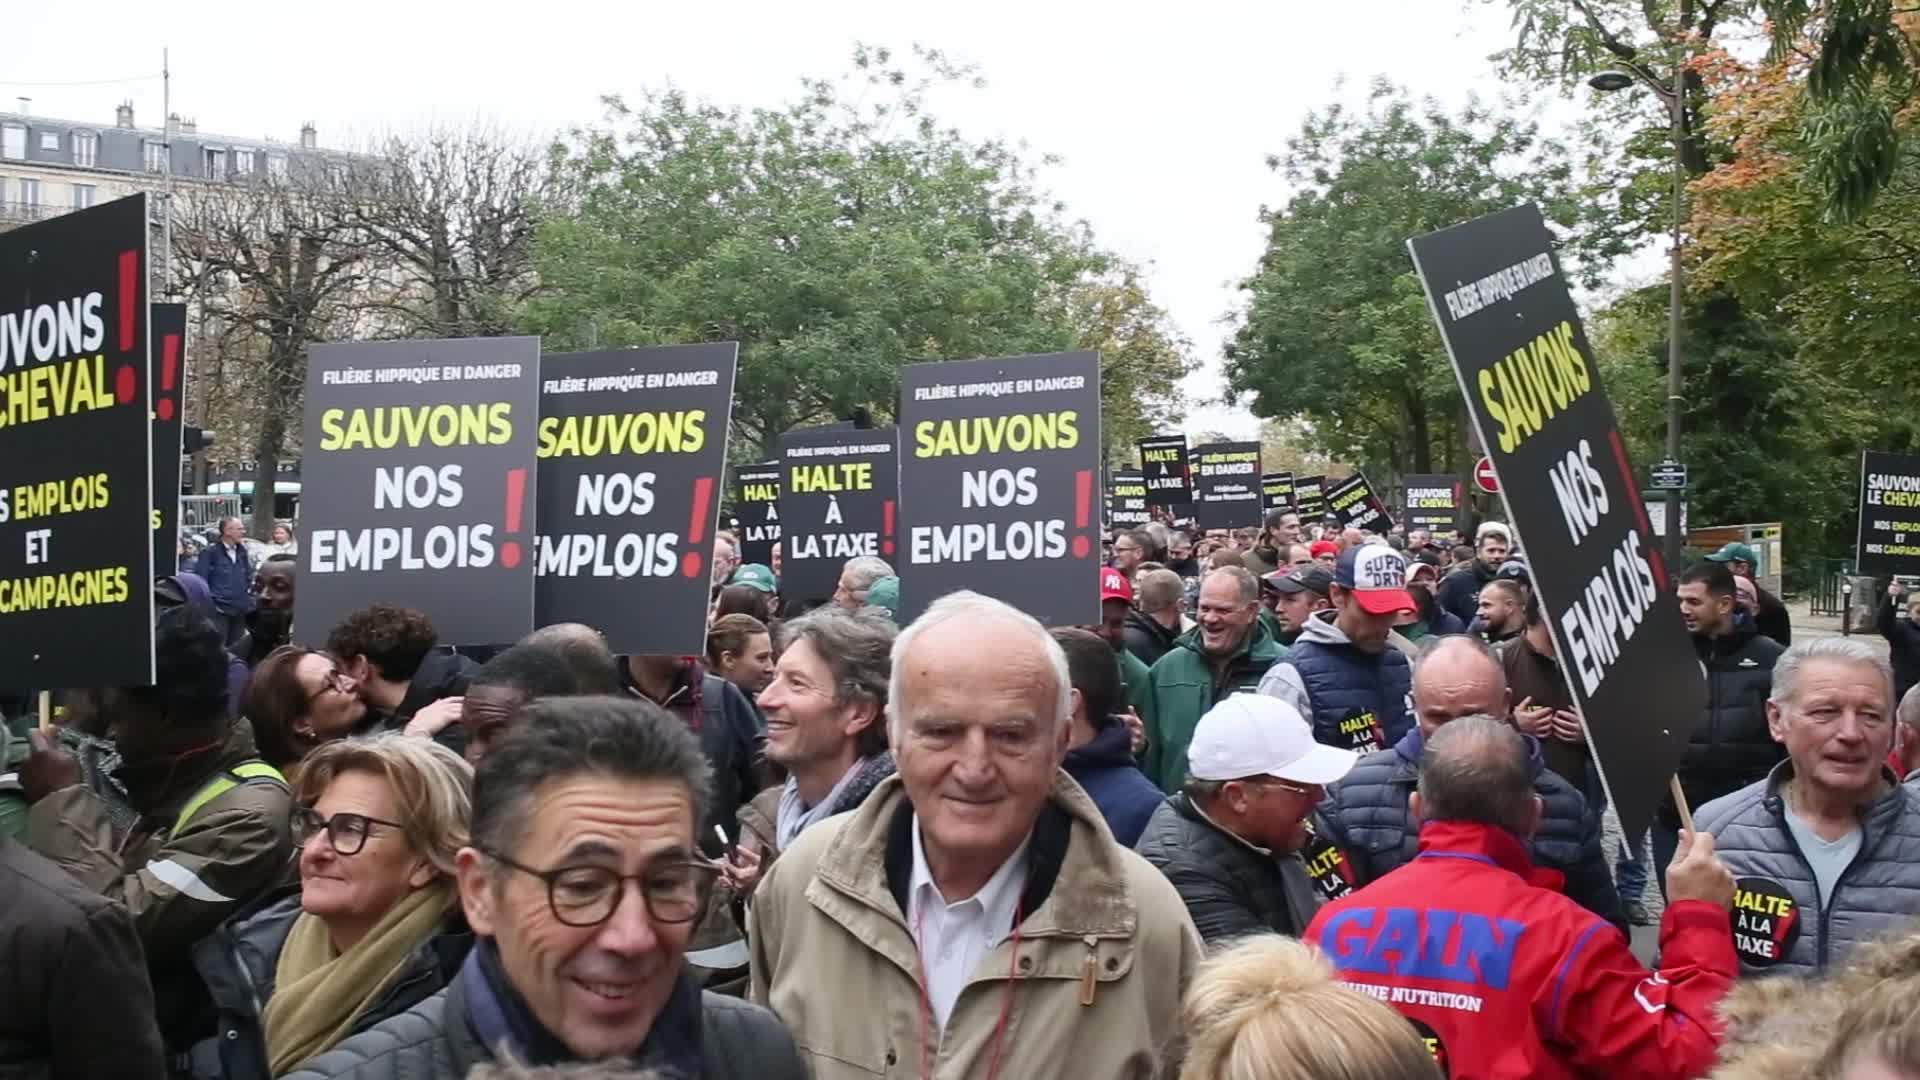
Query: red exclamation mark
{"points": [[1082, 509], [886, 527], [169, 371], [697, 529], [516, 498], [126, 382]]}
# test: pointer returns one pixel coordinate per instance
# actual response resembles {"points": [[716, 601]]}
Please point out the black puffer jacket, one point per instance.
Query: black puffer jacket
{"points": [[1731, 747], [1459, 592], [1231, 889], [1903, 641], [1146, 639], [240, 961], [1366, 816], [435, 1040]]}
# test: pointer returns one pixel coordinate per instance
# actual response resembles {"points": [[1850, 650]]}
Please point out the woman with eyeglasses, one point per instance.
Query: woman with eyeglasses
{"points": [[375, 926], [300, 698]]}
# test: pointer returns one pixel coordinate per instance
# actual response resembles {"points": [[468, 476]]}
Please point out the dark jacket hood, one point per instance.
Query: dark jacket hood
{"points": [[1110, 747]]}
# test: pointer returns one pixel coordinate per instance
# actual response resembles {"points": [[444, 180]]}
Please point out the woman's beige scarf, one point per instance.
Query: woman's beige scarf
{"points": [[318, 992]]}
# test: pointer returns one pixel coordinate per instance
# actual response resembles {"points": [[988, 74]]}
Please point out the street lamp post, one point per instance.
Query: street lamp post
{"points": [[1606, 82]]}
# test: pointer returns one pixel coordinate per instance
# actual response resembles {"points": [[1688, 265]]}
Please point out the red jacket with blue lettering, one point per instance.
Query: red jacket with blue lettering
{"points": [[1507, 979]]}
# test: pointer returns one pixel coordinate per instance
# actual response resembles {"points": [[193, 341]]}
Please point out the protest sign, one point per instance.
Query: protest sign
{"points": [[1435, 502], [1310, 497], [1127, 500], [76, 450], [1887, 538], [1226, 485], [998, 460], [418, 486], [757, 503], [1163, 460], [632, 448], [167, 375], [1354, 501], [1276, 491], [838, 495], [1534, 394]]}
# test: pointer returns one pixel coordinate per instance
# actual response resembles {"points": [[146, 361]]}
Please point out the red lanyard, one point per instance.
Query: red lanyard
{"points": [[926, 1002]]}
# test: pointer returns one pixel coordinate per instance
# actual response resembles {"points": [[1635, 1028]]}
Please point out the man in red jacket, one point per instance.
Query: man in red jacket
{"points": [[1503, 975]]}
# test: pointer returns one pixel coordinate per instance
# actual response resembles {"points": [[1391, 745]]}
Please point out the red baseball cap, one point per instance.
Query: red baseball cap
{"points": [[1114, 586], [1323, 547], [1376, 575]]}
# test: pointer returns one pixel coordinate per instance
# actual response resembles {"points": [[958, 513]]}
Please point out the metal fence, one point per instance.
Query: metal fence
{"points": [[1825, 594], [205, 511]]}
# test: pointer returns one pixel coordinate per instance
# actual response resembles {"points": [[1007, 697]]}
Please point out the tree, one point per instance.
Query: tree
{"points": [[270, 266], [1142, 356], [1336, 329], [454, 212], [834, 238]]}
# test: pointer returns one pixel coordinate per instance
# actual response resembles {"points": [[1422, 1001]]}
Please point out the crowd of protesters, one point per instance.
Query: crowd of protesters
{"points": [[1303, 802]]}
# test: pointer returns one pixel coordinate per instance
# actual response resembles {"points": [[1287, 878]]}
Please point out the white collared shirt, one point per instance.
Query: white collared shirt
{"points": [[954, 937]]}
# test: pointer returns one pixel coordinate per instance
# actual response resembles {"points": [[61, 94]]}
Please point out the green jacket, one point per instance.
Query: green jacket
{"points": [[1133, 673], [1184, 685]]}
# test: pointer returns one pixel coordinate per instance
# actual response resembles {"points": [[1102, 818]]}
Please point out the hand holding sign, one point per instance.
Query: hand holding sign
{"points": [[1696, 873]]}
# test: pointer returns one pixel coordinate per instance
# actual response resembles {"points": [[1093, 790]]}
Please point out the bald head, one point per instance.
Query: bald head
{"points": [[1458, 676], [1478, 769], [585, 652]]}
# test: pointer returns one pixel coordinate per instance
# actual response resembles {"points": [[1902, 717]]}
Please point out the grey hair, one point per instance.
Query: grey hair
{"points": [[863, 570], [1909, 710], [1242, 577], [1157, 590], [857, 648], [1786, 670], [966, 604], [1478, 769]]}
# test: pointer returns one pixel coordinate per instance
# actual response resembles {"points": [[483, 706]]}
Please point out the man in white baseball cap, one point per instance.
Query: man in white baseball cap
{"points": [[1230, 839]]}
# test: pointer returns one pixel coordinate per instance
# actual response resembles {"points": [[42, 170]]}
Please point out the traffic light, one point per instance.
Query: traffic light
{"points": [[193, 439]]}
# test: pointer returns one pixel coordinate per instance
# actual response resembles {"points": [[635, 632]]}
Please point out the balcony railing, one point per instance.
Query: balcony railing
{"points": [[21, 213]]}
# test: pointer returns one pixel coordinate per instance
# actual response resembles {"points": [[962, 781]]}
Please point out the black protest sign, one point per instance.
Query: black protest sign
{"points": [[1163, 461], [1310, 497], [998, 460], [1533, 391], [632, 448], [838, 495], [76, 472], [1434, 502], [167, 376], [417, 485], [757, 505], [1127, 500], [1355, 502], [1887, 539], [1276, 491], [1226, 485]]}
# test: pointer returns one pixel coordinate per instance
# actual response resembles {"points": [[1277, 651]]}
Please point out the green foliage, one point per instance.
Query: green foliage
{"points": [[835, 238], [1336, 330]]}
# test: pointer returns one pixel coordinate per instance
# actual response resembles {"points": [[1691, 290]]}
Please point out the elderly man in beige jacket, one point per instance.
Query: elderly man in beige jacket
{"points": [[974, 918]]}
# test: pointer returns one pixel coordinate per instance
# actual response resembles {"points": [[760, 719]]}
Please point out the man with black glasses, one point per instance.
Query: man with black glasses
{"points": [[583, 884]]}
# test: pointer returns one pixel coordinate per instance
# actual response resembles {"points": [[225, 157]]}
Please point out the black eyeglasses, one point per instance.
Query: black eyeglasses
{"points": [[674, 891], [347, 833], [334, 679]]}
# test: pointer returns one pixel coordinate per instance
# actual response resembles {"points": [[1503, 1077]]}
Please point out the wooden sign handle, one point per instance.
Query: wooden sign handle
{"points": [[1680, 803]]}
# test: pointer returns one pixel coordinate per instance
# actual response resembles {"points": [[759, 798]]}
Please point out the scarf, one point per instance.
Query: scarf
{"points": [[506, 1026], [794, 817], [319, 993]]}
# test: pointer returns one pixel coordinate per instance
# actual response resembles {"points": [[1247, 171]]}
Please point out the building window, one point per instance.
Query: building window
{"points": [[86, 149], [83, 196], [13, 141], [30, 194], [50, 140], [243, 163], [216, 162], [277, 166], [156, 154]]}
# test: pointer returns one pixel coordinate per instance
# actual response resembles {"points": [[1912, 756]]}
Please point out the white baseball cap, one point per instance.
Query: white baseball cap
{"points": [[1256, 735]]}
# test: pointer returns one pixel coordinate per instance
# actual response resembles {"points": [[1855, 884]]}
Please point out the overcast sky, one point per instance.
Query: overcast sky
{"points": [[1162, 121]]}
